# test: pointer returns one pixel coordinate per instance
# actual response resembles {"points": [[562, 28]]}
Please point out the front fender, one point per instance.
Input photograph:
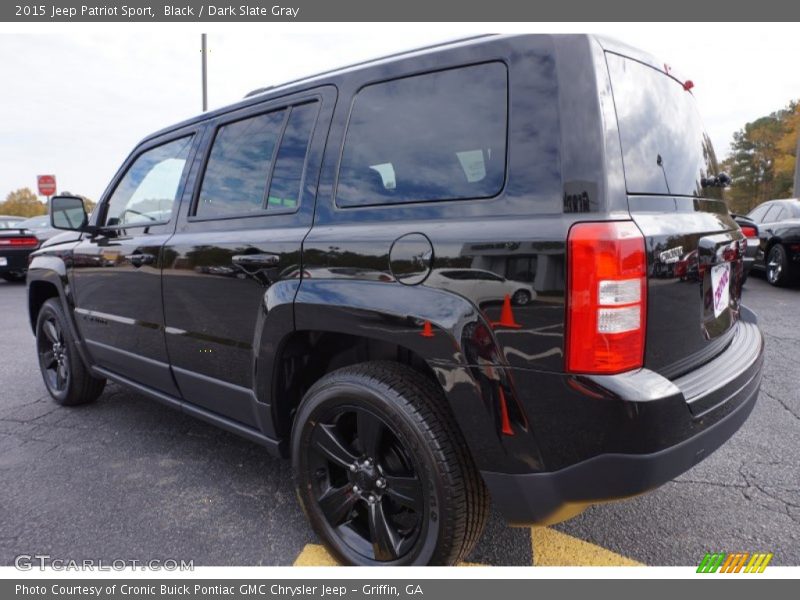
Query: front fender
{"points": [[49, 267]]}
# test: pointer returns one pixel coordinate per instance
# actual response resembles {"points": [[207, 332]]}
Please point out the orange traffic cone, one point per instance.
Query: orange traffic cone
{"points": [[505, 422], [427, 330], [507, 316]]}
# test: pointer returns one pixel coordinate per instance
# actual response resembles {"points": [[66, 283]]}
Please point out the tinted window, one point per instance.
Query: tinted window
{"points": [[287, 176], [488, 276], [439, 136], [149, 188], [772, 213], [664, 146], [758, 212], [235, 180]]}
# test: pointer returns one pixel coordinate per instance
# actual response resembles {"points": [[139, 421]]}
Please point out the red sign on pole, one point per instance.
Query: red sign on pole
{"points": [[47, 185]]}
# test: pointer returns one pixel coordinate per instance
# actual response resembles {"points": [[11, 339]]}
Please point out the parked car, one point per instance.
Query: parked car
{"points": [[40, 226], [402, 404], [750, 232], [778, 254], [17, 243], [481, 286]]}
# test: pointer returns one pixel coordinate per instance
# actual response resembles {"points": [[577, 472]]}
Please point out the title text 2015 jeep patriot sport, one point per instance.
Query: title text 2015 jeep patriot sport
{"points": [[499, 267]]}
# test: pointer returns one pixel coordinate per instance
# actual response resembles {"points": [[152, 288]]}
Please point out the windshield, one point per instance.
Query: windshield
{"points": [[665, 149]]}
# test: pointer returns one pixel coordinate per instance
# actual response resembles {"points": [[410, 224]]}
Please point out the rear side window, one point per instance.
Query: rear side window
{"points": [[287, 176], [438, 136], [257, 164], [235, 181], [665, 149]]}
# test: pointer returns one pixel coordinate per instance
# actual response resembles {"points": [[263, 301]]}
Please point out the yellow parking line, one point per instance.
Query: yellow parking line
{"points": [[552, 548], [314, 555]]}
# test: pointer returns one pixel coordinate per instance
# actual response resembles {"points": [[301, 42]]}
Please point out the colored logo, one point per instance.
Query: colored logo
{"points": [[737, 562]]}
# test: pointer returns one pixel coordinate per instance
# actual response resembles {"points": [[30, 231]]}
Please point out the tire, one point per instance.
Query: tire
{"points": [[432, 506], [13, 277], [64, 374], [777, 268], [521, 297]]}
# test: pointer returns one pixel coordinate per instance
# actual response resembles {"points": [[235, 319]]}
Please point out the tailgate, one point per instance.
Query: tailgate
{"points": [[695, 249], [695, 257]]}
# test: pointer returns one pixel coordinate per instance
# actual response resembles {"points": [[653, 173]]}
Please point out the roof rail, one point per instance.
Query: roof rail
{"points": [[362, 63]]}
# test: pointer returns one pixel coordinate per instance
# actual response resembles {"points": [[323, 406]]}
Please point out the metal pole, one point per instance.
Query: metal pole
{"points": [[203, 52]]}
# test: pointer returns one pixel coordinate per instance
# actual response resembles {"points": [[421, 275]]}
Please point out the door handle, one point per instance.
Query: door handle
{"points": [[255, 260], [137, 260]]}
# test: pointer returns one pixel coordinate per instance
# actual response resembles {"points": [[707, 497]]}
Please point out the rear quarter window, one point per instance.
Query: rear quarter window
{"points": [[665, 149], [436, 136]]}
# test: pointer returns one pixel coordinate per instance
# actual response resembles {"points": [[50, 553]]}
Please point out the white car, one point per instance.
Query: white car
{"points": [[481, 286]]}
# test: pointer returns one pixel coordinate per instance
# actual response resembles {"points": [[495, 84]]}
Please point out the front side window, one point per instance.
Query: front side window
{"points": [[150, 187], [437, 136]]}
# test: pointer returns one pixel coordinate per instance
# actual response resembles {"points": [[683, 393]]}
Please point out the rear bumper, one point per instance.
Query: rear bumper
{"points": [[16, 260], [678, 423]]}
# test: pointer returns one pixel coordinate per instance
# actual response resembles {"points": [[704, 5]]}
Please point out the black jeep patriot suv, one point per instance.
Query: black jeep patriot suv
{"points": [[499, 267]]}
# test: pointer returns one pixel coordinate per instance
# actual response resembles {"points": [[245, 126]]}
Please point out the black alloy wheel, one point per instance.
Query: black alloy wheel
{"points": [[383, 472], [66, 377], [53, 357], [366, 483], [777, 266]]}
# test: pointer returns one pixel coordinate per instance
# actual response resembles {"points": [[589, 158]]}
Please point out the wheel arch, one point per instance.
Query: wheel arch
{"points": [[47, 278], [442, 335], [39, 291]]}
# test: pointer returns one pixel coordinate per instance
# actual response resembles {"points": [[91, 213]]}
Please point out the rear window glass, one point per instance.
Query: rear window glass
{"points": [[438, 136], [665, 149]]}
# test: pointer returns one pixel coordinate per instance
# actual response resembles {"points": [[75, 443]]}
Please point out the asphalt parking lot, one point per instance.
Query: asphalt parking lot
{"points": [[126, 478]]}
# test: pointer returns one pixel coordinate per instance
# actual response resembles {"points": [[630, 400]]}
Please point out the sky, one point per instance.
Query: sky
{"points": [[74, 103]]}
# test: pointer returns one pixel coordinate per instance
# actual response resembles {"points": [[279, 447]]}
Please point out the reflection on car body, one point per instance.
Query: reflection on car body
{"points": [[481, 286]]}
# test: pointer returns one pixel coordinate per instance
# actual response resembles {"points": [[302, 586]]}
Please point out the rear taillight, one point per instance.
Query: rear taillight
{"points": [[749, 231], [20, 242], [606, 297]]}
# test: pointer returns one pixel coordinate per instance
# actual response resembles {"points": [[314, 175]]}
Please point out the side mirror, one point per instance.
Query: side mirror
{"points": [[68, 212], [724, 179]]}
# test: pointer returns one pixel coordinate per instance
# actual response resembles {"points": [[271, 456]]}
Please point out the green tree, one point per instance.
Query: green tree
{"points": [[23, 203], [762, 159]]}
